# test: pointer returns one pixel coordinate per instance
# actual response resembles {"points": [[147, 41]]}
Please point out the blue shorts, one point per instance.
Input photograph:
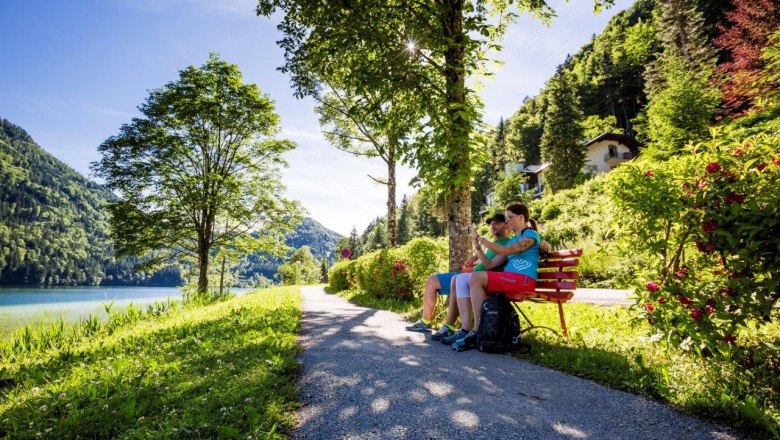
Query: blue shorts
{"points": [[444, 281]]}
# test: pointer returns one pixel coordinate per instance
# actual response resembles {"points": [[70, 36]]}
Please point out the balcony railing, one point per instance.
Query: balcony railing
{"points": [[620, 156]]}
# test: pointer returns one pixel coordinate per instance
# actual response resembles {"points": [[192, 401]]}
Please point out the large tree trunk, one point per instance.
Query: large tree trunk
{"points": [[203, 265], [459, 191], [391, 223]]}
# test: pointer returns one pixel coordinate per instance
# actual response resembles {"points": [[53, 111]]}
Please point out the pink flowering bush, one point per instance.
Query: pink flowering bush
{"points": [[709, 224]]}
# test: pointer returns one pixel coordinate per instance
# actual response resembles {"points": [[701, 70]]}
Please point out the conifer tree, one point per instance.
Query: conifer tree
{"points": [[681, 99], [404, 218], [524, 131], [352, 244], [561, 143]]}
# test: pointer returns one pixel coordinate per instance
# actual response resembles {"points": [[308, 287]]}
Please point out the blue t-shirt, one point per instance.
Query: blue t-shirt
{"points": [[526, 262]]}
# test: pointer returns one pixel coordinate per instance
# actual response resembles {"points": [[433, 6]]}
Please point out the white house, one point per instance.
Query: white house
{"points": [[609, 150]]}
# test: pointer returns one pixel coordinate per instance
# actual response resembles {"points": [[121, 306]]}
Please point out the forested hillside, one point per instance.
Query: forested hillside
{"points": [[53, 230]]}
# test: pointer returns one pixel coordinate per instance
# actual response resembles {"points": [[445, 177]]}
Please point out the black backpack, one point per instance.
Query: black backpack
{"points": [[499, 327]]}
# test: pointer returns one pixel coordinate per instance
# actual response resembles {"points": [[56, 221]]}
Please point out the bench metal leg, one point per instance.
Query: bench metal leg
{"points": [[563, 320]]}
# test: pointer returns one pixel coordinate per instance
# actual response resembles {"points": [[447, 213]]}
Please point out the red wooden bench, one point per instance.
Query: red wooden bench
{"points": [[556, 283]]}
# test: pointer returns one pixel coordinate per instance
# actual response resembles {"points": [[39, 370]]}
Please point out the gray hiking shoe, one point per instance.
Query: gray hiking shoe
{"points": [[444, 331], [420, 326], [449, 340], [467, 343]]}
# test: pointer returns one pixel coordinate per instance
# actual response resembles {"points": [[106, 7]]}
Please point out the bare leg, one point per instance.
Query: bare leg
{"points": [[477, 285], [452, 311], [430, 294], [464, 305]]}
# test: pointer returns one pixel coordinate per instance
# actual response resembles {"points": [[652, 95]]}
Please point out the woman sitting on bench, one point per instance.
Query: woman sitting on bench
{"points": [[520, 273]]}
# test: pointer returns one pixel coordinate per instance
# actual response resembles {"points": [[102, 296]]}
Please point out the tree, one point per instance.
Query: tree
{"points": [[198, 171], [524, 132], [363, 125], [750, 25], [681, 99], [352, 244], [301, 269], [404, 222], [324, 269], [426, 48], [561, 143]]}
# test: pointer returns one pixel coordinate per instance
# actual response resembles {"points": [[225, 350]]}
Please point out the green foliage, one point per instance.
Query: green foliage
{"points": [[561, 143], [198, 171], [594, 126], [681, 112], [709, 221], [301, 269], [224, 370], [398, 273], [524, 132], [509, 189]]}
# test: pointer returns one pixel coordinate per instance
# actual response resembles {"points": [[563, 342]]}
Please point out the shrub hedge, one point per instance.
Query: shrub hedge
{"points": [[391, 273]]}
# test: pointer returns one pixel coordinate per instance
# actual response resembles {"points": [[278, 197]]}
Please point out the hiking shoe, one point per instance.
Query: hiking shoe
{"points": [[420, 326], [466, 343], [441, 333], [449, 340]]}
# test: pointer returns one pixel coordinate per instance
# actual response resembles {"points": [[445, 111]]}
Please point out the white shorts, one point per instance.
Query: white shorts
{"points": [[462, 285]]}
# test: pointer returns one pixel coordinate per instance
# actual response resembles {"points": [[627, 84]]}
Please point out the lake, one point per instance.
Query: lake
{"points": [[19, 307]]}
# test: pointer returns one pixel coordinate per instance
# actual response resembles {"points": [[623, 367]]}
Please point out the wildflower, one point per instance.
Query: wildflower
{"points": [[62, 396], [702, 185], [35, 390], [684, 300], [710, 247], [649, 307], [105, 407], [709, 309], [662, 300], [656, 337], [747, 144], [737, 152], [43, 408], [653, 286], [729, 339], [649, 173], [696, 314], [760, 167], [686, 344], [713, 167], [709, 226], [399, 266], [68, 406]]}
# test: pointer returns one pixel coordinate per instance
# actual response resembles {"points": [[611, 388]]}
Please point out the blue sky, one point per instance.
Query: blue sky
{"points": [[73, 72]]}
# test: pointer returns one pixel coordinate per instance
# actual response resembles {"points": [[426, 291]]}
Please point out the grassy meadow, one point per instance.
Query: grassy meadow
{"points": [[607, 346], [224, 370]]}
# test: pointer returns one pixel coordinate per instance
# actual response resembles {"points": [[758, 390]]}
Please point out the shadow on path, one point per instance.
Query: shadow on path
{"points": [[365, 377]]}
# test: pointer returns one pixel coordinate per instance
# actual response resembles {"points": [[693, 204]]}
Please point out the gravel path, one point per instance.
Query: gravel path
{"points": [[365, 377]]}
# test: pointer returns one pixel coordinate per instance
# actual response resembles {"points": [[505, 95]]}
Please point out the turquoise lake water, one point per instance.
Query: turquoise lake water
{"points": [[19, 307]]}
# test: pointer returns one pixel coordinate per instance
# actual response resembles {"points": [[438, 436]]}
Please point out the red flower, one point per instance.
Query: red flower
{"points": [[710, 247], [393, 273], [709, 309], [775, 162], [653, 286], [727, 291], [702, 185], [747, 144], [760, 167], [685, 186], [399, 266], [695, 314], [713, 167], [709, 226], [649, 173], [662, 300], [729, 339], [649, 307], [738, 151], [346, 253], [684, 300], [735, 198]]}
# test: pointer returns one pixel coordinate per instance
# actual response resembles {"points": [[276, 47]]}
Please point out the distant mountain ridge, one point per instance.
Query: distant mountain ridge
{"points": [[55, 232]]}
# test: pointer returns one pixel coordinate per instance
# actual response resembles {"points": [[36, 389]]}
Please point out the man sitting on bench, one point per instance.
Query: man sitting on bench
{"points": [[442, 283]]}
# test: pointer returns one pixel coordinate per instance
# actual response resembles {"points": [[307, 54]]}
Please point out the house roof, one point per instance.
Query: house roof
{"points": [[535, 169], [626, 140]]}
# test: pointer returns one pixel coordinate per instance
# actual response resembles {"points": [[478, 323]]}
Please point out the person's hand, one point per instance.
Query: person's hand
{"points": [[472, 231], [545, 246]]}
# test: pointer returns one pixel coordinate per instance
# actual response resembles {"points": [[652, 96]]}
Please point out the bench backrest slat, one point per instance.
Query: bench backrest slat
{"points": [[569, 262], [556, 285], [558, 275]]}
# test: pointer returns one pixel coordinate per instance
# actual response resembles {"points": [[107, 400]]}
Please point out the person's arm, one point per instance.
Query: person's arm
{"points": [[518, 246], [489, 263]]}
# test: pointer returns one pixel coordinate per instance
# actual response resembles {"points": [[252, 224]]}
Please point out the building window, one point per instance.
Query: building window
{"points": [[613, 151]]}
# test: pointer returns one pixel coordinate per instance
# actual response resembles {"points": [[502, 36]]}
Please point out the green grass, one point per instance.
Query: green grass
{"points": [[607, 347], [224, 370]]}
